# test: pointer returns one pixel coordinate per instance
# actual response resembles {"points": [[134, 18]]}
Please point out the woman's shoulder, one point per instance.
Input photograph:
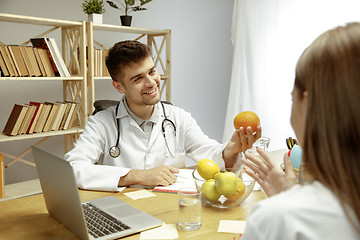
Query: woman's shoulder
{"points": [[303, 210], [299, 196]]}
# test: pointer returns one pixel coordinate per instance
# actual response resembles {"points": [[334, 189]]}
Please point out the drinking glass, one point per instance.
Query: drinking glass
{"points": [[189, 209]]}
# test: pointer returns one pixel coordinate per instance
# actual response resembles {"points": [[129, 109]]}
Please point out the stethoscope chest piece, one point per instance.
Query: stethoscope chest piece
{"points": [[114, 151]]}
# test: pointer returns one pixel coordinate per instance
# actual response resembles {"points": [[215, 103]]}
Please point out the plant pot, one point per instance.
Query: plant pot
{"points": [[95, 18], [125, 20]]}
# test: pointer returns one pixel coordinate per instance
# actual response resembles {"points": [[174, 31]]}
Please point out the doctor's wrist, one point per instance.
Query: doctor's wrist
{"points": [[129, 179]]}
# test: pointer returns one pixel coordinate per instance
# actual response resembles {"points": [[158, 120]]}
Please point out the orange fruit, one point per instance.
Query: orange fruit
{"points": [[240, 190], [247, 119]]}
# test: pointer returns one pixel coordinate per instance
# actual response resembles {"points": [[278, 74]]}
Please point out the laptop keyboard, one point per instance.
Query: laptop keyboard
{"points": [[100, 223]]}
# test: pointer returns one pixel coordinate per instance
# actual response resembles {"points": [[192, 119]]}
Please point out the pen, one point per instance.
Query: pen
{"points": [[238, 237], [180, 176]]}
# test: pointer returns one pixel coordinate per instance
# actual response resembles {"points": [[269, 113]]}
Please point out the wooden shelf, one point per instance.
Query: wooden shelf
{"points": [[5, 138], [115, 28], [74, 88], [41, 78], [5, 17]]}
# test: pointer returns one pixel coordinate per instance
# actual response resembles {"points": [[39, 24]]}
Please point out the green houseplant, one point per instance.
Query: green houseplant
{"points": [[94, 9], [127, 6]]}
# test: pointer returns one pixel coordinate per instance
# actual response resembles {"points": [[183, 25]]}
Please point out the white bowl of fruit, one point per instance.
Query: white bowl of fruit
{"points": [[221, 189]]}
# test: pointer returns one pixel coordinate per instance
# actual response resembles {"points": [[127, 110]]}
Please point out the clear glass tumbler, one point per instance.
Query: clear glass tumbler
{"points": [[189, 209]]}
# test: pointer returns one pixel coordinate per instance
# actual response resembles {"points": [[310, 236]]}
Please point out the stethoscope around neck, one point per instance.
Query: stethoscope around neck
{"points": [[114, 151]]}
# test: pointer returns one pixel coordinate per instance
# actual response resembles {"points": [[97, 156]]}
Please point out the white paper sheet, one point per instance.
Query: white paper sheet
{"points": [[230, 226], [166, 231], [184, 179], [140, 194]]}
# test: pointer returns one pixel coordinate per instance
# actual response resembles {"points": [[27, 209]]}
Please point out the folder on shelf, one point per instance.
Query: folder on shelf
{"points": [[36, 116], [33, 61], [68, 125], [16, 118], [43, 44], [19, 60], [67, 118], [3, 67], [31, 111], [66, 113], [42, 118], [19, 69], [53, 112], [60, 113], [40, 63], [7, 61], [26, 119], [64, 72], [46, 62], [11, 61], [27, 61], [105, 70]]}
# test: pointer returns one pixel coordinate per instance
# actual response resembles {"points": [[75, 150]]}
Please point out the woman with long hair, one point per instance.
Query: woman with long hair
{"points": [[326, 120]]}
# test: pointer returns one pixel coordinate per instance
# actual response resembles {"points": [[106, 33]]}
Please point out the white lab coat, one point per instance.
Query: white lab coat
{"points": [[95, 169]]}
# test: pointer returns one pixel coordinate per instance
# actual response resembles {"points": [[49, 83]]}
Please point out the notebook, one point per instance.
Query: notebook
{"points": [[62, 200]]}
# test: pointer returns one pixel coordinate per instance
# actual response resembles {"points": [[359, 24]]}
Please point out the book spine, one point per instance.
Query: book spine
{"points": [[43, 44]]}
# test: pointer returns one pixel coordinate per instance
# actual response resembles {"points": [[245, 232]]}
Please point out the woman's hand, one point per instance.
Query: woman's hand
{"points": [[268, 174]]}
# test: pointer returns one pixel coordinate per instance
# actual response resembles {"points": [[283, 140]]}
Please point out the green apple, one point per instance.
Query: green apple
{"points": [[209, 191], [225, 183]]}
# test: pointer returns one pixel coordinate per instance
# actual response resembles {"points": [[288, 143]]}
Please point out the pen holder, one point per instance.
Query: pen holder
{"points": [[296, 160]]}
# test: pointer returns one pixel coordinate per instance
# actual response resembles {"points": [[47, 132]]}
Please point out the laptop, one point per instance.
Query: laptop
{"points": [[62, 200]]}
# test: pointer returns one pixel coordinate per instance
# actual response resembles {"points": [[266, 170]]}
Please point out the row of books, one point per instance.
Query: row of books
{"points": [[38, 117], [100, 68], [43, 59]]}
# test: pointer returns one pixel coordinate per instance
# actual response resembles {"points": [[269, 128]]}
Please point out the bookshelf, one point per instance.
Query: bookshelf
{"points": [[73, 48], [158, 40], [76, 37]]}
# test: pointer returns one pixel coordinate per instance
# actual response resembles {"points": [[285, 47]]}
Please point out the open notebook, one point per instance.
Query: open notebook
{"points": [[184, 179]]}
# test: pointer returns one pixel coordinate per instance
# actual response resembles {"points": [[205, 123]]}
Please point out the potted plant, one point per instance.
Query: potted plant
{"points": [[94, 9], [127, 6]]}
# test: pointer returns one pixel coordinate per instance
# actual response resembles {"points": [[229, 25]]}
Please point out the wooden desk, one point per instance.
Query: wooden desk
{"points": [[27, 218]]}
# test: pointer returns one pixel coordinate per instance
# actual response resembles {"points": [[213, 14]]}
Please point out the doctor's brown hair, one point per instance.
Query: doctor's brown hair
{"points": [[329, 70], [123, 54]]}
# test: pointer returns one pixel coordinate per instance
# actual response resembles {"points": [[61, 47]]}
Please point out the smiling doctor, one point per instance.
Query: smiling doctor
{"points": [[143, 140]]}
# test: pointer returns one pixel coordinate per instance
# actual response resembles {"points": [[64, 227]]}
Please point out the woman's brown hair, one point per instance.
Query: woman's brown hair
{"points": [[329, 70]]}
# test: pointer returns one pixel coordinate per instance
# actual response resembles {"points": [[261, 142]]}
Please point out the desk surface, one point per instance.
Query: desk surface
{"points": [[27, 218]]}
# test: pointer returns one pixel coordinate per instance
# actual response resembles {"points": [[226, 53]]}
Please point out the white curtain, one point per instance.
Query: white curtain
{"points": [[268, 38]]}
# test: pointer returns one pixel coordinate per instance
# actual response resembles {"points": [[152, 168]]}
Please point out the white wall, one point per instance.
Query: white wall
{"points": [[201, 62]]}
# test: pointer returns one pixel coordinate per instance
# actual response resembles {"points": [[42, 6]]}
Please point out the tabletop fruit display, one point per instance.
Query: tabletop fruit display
{"points": [[247, 119], [222, 189]]}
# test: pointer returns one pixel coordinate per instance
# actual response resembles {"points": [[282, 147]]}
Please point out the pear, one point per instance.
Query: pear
{"points": [[209, 191], [225, 183]]}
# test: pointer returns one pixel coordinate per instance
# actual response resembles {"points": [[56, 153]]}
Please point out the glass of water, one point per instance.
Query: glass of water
{"points": [[189, 209]]}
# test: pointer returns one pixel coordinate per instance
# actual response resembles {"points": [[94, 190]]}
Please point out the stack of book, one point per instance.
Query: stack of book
{"points": [[41, 60], [38, 117], [100, 68]]}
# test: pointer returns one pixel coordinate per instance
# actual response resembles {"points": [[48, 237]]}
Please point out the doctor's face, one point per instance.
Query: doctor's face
{"points": [[140, 84]]}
